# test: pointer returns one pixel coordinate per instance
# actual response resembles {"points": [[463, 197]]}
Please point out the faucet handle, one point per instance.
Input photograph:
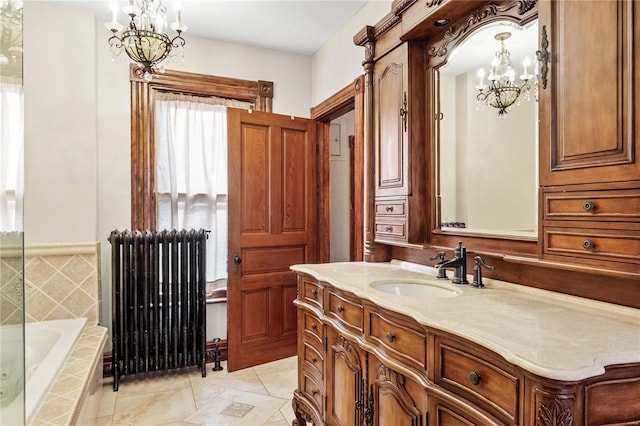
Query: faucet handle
{"points": [[440, 255], [442, 273], [477, 272]]}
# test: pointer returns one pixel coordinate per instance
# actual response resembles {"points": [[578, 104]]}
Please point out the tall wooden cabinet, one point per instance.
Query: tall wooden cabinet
{"points": [[400, 179], [588, 86], [590, 133]]}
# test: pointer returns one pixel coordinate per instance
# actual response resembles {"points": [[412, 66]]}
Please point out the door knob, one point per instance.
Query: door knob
{"points": [[237, 260]]}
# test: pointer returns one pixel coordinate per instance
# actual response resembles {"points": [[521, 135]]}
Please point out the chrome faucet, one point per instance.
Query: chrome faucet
{"points": [[458, 264]]}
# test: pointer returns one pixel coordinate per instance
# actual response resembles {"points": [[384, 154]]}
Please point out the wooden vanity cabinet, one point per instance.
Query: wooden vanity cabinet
{"points": [[368, 366], [399, 88]]}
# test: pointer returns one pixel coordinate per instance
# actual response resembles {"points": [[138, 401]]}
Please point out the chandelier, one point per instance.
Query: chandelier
{"points": [[10, 31], [502, 92], [144, 39]]}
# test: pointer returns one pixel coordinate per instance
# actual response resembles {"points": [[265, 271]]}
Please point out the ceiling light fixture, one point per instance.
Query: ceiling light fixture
{"points": [[144, 39], [502, 92]]}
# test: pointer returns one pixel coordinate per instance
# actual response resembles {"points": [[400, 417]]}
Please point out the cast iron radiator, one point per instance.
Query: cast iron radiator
{"points": [[159, 301]]}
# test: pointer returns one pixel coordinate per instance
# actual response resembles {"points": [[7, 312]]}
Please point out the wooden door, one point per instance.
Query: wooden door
{"points": [[272, 225]]}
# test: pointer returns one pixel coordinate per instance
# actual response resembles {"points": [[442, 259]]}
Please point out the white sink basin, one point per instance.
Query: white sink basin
{"points": [[420, 289]]}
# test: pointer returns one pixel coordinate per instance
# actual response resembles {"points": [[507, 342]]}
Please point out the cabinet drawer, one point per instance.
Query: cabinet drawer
{"points": [[311, 292], [390, 207], [609, 206], [597, 244], [386, 229], [312, 389], [480, 380], [346, 311], [401, 341], [313, 330], [313, 360]]}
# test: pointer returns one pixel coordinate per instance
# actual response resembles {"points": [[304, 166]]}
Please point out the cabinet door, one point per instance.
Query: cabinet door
{"points": [[344, 381], [390, 93], [451, 413], [589, 111], [396, 400]]}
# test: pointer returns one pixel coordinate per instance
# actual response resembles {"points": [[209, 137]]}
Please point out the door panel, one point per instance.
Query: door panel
{"points": [[272, 225]]}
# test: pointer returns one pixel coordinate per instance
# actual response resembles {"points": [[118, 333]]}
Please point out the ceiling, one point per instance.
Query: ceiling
{"points": [[297, 26]]}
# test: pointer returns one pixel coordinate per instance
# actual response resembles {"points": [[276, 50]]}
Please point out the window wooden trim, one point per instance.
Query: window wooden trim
{"points": [[143, 198]]}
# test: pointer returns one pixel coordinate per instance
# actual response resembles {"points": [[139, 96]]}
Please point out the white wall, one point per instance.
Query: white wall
{"points": [[338, 62], [340, 178], [61, 103]]}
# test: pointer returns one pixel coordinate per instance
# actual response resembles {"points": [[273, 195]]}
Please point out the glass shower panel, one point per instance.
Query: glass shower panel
{"points": [[12, 349]]}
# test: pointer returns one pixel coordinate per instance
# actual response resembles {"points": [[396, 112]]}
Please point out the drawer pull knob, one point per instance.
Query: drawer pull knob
{"points": [[340, 308], [388, 228], [314, 360], [588, 244], [314, 292], [588, 206], [389, 208], [314, 393], [475, 378], [314, 326], [391, 337]]}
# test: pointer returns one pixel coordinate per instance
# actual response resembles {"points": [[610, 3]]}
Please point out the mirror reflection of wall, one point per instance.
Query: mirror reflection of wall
{"points": [[488, 162]]}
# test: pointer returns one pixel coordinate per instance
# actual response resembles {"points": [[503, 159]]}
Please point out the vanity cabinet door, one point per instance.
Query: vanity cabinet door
{"points": [[345, 364], [399, 117], [396, 400], [451, 413], [589, 112]]}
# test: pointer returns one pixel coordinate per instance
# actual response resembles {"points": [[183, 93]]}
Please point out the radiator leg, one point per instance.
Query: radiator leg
{"points": [[216, 356]]}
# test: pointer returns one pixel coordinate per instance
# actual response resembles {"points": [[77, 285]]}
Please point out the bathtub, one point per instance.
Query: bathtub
{"points": [[47, 346]]}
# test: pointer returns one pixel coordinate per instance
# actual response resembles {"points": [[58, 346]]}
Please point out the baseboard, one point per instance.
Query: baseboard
{"points": [[210, 357]]}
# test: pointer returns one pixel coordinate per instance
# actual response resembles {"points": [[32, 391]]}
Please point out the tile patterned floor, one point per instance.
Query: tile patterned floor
{"points": [[254, 396]]}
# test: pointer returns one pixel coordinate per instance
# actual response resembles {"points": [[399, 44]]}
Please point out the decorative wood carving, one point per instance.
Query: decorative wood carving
{"points": [[526, 5], [554, 414], [393, 383], [476, 18], [400, 6], [345, 349], [301, 411], [434, 3], [554, 407]]}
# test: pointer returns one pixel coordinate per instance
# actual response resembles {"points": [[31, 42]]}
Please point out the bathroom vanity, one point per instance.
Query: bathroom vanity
{"points": [[389, 344]]}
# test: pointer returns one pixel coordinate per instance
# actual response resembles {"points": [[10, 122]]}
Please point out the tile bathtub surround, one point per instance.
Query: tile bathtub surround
{"points": [[62, 281], [260, 395], [64, 401]]}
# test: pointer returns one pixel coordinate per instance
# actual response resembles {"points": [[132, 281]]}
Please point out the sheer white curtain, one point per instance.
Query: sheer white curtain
{"points": [[191, 169], [11, 154]]}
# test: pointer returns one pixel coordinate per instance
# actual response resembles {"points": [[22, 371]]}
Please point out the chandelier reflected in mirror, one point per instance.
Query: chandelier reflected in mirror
{"points": [[502, 92], [143, 39]]}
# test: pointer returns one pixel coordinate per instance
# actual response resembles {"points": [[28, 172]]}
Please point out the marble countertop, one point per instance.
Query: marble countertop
{"points": [[550, 334]]}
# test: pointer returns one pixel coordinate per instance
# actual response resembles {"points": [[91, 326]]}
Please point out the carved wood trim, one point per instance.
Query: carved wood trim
{"points": [[458, 32], [392, 383], [143, 201], [554, 409]]}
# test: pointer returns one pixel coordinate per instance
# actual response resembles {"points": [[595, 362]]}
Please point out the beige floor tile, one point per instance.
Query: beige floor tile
{"points": [[210, 414], [104, 421], [278, 423], [280, 384], [108, 402], [167, 406], [153, 382], [277, 417], [287, 411], [207, 388], [285, 364]]}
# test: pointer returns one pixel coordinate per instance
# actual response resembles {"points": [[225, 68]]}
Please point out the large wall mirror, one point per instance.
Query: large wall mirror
{"points": [[487, 150]]}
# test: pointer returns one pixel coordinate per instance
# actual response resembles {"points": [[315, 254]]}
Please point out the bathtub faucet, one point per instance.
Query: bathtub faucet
{"points": [[458, 264]]}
